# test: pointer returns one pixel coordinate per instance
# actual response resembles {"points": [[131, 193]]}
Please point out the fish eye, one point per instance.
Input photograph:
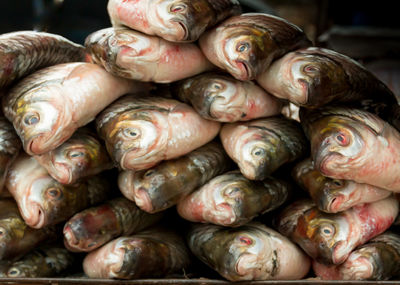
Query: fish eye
{"points": [[13, 272], [31, 119], [327, 230], [231, 191], [75, 154], [178, 8], [53, 193], [242, 47], [149, 172], [92, 244], [51, 264], [337, 182], [342, 139], [258, 151], [131, 133], [217, 86], [2, 231], [310, 68], [245, 240]]}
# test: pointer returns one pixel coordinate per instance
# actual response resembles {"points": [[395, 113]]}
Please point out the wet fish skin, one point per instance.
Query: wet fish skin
{"points": [[130, 54], [82, 155], [353, 144], [17, 238], [10, 146], [141, 132], [376, 260], [165, 184], [173, 20], [95, 226], [313, 77], [43, 201], [49, 105], [152, 253], [232, 200], [23, 52], [261, 146], [334, 195], [249, 252], [330, 238], [245, 45], [46, 261], [220, 97]]}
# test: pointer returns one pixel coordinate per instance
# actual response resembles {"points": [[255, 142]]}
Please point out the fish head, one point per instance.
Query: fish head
{"points": [[325, 237], [180, 20], [228, 201], [248, 254], [73, 158], [149, 190], [243, 51], [334, 195], [127, 52], [85, 231], [336, 143], [315, 80], [12, 232], [225, 99], [364, 264], [43, 122], [137, 137], [257, 148], [49, 202]]}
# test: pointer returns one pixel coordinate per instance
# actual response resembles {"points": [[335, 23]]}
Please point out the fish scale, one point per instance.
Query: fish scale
{"points": [[29, 50]]}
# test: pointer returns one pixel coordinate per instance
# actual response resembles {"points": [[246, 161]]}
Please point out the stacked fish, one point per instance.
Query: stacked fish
{"points": [[187, 101]]}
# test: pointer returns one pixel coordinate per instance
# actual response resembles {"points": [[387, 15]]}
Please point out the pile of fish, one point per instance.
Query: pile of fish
{"points": [[168, 140]]}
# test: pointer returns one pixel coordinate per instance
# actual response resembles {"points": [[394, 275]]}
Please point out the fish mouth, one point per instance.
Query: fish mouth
{"points": [[359, 268], [36, 217], [334, 204], [245, 265], [143, 201], [225, 214], [340, 252], [70, 240], [245, 72], [30, 146], [62, 173], [183, 34]]}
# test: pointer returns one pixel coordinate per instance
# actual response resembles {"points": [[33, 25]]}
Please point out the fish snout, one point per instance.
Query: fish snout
{"points": [[142, 200], [357, 268], [35, 216], [246, 266], [63, 173]]}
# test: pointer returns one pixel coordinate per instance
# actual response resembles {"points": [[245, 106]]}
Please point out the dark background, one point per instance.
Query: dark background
{"points": [[75, 19]]}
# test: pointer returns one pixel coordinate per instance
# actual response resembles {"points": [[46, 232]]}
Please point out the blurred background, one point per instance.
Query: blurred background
{"points": [[367, 31]]}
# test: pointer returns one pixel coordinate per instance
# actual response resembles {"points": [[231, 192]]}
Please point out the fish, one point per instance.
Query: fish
{"points": [[249, 252], [220, 97], [377, 260], [165, 184], [152, 253], [16, 237], [261, 146], [314, 77], [24, 52], [10, 146], [44, 201], [334, 195], [330, 238], [172, 20], [131, 54], [49, 105], [353, 144], [82, 155], [245, 45], [45, 261], [141, 132], [95, 226], [231, 200]]}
